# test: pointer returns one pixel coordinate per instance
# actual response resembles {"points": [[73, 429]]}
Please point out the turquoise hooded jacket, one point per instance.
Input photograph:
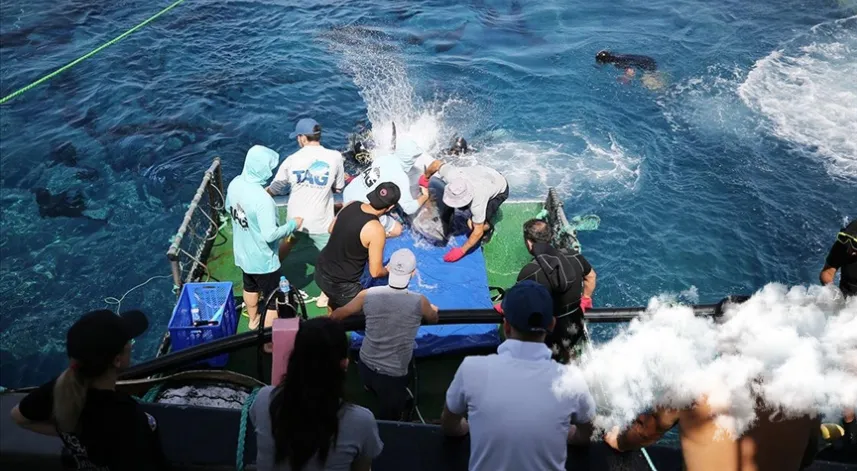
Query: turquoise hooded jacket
{"points": [[255, 231]]}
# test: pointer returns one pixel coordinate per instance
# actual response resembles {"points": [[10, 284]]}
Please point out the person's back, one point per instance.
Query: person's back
{"points": [[313, 172], [101, 428], [255, 231], [304, 423], [393, 317], [515, 418], [387, 168], [351, 443], [344, 257], [770, 445]]}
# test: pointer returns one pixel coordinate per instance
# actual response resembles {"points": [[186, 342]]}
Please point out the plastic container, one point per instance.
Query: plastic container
{"points": [[216, 318]]}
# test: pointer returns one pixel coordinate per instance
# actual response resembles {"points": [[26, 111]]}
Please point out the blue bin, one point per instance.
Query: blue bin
{"points": [[216, 304]]}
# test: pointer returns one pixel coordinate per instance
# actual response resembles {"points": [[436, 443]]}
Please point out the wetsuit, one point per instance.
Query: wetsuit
{"points": [[562, 272], [844, 258], [630, 60]]}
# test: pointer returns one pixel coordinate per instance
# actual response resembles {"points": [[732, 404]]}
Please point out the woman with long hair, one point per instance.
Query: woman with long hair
{"points": [[100, 427], [305, 424]]}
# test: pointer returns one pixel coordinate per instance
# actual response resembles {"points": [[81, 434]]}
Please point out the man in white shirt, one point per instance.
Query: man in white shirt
{"points": [[515, 419], [314, 174], [393, 168]]}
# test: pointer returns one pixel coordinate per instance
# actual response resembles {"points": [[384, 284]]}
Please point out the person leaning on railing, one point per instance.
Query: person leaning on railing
{"points": [[393, 317], [100, 427], [515, 419]]}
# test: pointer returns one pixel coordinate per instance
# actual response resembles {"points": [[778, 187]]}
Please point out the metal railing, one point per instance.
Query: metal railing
{"points": [[191, 246]]}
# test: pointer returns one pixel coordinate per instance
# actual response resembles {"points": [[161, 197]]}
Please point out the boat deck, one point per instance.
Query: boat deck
{"points": [[504, 257]]}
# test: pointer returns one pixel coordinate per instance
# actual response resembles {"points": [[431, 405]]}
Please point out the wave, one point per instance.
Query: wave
{"points": [[808, 92]]}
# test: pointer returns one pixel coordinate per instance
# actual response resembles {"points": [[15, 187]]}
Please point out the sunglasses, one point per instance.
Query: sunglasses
{"points": [[847, 239]]}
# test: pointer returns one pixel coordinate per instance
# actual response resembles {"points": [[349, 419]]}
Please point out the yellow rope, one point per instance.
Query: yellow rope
{"points": [[73, 63]]}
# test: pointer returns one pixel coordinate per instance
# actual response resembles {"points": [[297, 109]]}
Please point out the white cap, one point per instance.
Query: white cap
{"points": [[402, 265]]}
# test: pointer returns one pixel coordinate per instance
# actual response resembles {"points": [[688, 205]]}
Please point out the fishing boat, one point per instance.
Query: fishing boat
{"points": [[202, 410]]}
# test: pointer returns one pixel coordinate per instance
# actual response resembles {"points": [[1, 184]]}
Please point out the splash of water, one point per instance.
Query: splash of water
{"points": [[808, 92], [796, 349], [376, 65]]}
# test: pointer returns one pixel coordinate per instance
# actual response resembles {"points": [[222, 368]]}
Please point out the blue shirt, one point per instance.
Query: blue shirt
{"points": [[255, 231], [517, 421]]}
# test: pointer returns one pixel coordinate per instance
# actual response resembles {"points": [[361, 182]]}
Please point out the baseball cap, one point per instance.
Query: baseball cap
{"points": [[402, 265], [528, 307], [98, 336], [384, 195], [304, 127], [458, 193]]}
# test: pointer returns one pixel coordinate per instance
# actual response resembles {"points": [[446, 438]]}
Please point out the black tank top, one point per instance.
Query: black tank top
{"points": [[344, 256]]}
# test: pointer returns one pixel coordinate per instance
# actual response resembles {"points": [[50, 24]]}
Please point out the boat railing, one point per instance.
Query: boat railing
{"points": [[256, 338], [191, 246]]}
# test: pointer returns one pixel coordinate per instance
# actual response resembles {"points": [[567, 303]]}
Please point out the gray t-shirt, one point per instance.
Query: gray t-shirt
{"points": [[358, 437], [393, 317], [486, 182]]}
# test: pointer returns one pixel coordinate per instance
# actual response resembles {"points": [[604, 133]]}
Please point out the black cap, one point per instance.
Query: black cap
{"points": [[97, 337], [384, 195]]}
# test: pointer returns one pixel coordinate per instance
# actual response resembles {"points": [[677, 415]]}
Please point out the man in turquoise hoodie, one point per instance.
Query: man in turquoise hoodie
{"points": [[256, 233]]}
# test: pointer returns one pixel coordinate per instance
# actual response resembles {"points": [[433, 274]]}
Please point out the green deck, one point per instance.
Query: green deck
{"points": [[504, 256]]}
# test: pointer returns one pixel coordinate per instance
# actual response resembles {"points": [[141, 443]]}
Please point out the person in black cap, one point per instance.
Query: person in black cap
{"points": [[518, 421], [356, 237], [100, 427]]}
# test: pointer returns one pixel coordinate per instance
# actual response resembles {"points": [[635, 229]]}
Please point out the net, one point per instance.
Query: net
{"points": [[191, 246]]}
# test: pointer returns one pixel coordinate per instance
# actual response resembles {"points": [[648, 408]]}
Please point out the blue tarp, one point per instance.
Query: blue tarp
{"points": [[459, 285]]}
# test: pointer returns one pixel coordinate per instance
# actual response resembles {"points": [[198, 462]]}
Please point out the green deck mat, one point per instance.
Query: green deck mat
{"points": [[504, 256]]}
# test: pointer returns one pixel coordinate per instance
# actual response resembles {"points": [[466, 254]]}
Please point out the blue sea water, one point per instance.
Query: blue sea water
{"points": [[735, 173]]}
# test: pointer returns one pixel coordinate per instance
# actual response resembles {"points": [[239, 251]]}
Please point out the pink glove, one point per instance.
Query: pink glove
{"points": [[585, 303], [424, 182], [348, 179], [453, 255], [499, 308]]}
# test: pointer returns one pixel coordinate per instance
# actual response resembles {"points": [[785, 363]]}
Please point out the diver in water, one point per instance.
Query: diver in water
{"points": [[632, 62], [459, 147], [625, 61]]}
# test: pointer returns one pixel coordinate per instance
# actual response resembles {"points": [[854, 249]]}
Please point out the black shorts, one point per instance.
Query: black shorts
{"points": [[338, 293], [264, 285], [494, 205]]}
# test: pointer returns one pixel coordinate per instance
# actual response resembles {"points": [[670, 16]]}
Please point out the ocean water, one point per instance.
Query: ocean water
{"points": [[737, 172]]}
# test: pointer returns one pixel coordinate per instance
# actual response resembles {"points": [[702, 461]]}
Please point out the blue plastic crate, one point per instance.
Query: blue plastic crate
{"points": [[215, 303]]}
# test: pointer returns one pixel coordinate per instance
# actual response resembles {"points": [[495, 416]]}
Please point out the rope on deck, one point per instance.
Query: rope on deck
{"points": [[242, 430], [73, 63]]}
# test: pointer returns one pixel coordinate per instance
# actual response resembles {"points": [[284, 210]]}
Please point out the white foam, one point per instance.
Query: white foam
{"points": [[808, 92], [795, 348], [532, 166]]}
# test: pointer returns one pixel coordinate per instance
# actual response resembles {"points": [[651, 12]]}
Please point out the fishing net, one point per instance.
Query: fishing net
{"points": [[191, 246]]}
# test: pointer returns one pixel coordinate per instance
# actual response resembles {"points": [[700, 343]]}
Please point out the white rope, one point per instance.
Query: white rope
{"points": [[118, 302]]}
